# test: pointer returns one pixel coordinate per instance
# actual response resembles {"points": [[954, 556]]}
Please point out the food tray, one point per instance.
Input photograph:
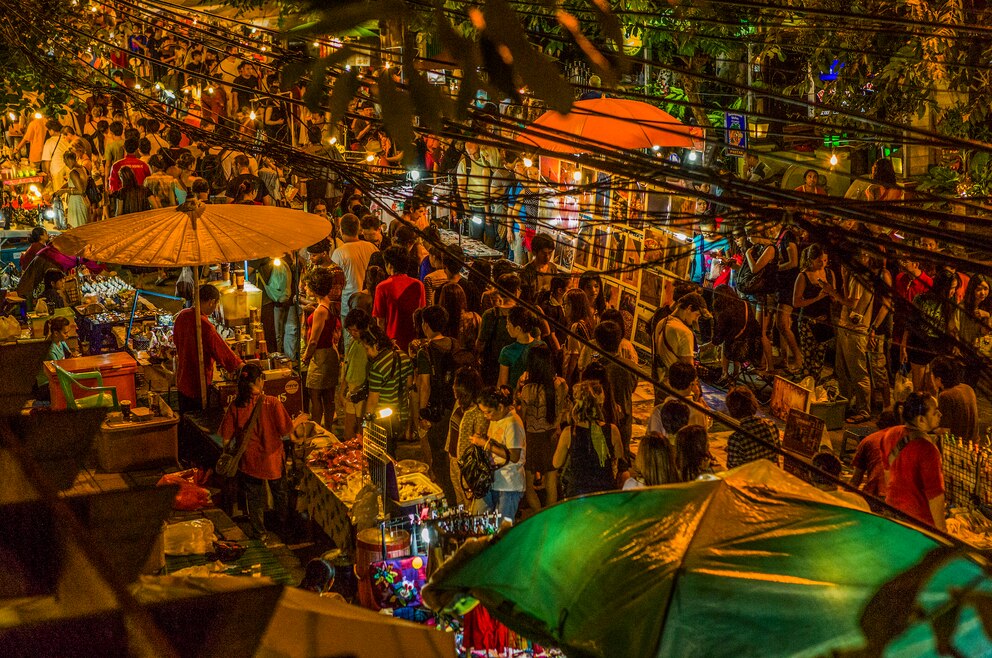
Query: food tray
{"points": [[410, 466], [425, 490]]}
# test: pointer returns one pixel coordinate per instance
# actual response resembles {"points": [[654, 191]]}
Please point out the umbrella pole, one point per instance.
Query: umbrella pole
{"points": [[200, 368]]}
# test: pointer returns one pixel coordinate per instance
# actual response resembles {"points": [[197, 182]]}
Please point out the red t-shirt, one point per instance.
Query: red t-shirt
{"points": [[215, 348], [264, 453], [396, 299], [136, 165], [868, 458], [914, 477]]}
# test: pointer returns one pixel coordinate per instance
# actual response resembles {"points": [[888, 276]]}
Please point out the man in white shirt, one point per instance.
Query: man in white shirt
{"points": [[59, 141], [673, 337], [352, 257]]}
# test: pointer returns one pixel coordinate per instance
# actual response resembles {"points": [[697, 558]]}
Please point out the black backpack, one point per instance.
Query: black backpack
{"points": [[759, 283], [443, 368], [477, 472], [212, 170]]}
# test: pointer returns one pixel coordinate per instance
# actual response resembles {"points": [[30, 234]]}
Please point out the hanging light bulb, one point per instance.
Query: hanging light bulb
{"points": [[210, 90], [333, 140], [37, 115], [414, 175], [13, 117], [369, 158], [387, 65], [528, 162], [577, 176], [251, 115], [137, 86], [833, 160]]}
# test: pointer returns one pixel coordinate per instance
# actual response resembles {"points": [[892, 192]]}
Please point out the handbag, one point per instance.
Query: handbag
{"points": [[477, 472], [229, 460], [761, 282]]}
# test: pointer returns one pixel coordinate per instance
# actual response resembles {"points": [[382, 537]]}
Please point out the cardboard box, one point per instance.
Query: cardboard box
{"points": [[832, 413], [132, 446]]}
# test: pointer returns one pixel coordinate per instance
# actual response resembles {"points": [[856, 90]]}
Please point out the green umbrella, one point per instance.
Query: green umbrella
{"points": [[757, 563]]}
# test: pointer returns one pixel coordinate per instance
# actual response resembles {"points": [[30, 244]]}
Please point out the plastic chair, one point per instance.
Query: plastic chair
{"points": [[103, 396]]}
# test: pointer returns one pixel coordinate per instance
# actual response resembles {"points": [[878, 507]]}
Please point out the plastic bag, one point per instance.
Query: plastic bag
{"points": [[10, 328], [191, 496], [903, 385], [189, 537]]}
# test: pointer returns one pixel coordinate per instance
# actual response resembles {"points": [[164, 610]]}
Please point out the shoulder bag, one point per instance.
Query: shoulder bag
{"points": [[230, 459]]}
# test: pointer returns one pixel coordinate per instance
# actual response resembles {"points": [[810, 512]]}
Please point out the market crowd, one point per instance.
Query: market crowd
{"points": [[536, 371]]}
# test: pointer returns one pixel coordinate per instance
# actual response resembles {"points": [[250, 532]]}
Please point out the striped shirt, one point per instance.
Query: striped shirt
{"points": [[389, 374]]}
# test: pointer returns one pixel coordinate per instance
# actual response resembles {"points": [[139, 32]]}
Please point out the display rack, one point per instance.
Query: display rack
{"points": [[967, 472]]}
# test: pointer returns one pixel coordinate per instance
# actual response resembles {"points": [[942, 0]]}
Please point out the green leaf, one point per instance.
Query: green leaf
{"points": [[431, 104], [944, 624], [536, 69], [344, 89], [341, 17], [889, 612], [397, 114], [293, 71]]}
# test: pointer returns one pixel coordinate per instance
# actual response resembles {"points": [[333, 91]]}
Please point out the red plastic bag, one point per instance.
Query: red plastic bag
{"points": [[191, 495]]}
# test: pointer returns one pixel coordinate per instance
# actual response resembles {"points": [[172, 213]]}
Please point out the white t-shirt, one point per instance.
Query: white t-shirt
{"points": [[353, 258], [676, 343], [510, 432], [696, 417]]}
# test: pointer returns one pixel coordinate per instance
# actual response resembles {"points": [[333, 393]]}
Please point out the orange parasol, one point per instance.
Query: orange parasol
{"points": [[609, 123], [195, 234]]}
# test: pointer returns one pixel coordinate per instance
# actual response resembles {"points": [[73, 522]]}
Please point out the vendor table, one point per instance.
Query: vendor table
{"points": [[472, 248], [326, 509]]}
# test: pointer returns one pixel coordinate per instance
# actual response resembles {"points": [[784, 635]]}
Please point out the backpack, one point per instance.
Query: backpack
{"points": [[92, 192], [443, 368], [477, 472], [757, 283], [212, 170]]}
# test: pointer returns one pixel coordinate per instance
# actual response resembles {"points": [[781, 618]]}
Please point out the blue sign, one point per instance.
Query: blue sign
{"points": [[736, 134]]}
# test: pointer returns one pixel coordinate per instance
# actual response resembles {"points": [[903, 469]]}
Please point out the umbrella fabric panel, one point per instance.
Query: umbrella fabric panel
{"points": [[610, 122], [564, 562], [756, 560], [168, 237]]}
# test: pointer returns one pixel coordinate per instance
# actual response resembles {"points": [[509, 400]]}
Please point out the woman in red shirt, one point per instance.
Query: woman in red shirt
{"points": [[263, 421]]}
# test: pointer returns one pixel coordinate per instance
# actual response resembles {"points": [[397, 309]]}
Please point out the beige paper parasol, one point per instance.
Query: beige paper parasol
{"points": [[195, 234]]}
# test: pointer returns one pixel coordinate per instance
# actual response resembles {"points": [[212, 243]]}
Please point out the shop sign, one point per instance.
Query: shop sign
{"points": [[736, 133]]}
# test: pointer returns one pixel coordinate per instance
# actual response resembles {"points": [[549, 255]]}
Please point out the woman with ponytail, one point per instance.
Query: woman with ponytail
{"points": [[505, 441], [590, 448], [541, 400], [262, 421]]}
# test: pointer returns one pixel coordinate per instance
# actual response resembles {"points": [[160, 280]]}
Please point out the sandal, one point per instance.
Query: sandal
{"points": [[860, 417]]}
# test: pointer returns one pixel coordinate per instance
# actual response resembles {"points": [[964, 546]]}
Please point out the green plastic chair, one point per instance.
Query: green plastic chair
{"points": [[103, 396]]}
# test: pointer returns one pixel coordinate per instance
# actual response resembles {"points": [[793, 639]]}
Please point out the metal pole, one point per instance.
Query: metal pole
{"points": [[201, 368]]}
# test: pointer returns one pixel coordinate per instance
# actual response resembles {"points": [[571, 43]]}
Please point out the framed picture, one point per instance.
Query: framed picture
{"points": [[652, 286], [632, 262], [642, 327], [615, 254], [598, 259], [564, 251], [583, 247], [628, 301], [611, 294]]}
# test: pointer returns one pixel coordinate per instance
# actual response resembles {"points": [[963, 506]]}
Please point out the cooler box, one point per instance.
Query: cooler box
{"points": [[832, 412], [131, 446], [117, 368]]}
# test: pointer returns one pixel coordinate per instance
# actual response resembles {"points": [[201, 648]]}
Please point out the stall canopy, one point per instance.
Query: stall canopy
{"points": [[608, 123], [195, 234], [756, 563]]}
